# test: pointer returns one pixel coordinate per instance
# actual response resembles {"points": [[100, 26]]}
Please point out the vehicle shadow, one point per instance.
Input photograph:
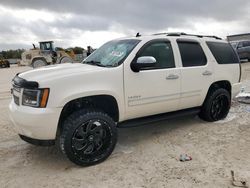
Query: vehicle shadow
{"points": [[144, 132], [47, 157]]}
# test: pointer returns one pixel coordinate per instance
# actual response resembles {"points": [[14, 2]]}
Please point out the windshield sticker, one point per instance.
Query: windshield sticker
{"points": [[117, 53]]}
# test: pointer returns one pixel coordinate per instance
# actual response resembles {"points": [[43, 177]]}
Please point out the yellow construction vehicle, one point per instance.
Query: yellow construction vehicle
{"points": [[4, 63], [46, 54]]}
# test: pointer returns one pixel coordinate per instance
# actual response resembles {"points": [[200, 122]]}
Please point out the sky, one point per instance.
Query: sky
{"points": [[93, 22]]}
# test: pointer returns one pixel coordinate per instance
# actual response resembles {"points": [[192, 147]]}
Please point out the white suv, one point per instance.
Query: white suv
{"points": [[125, 82]]}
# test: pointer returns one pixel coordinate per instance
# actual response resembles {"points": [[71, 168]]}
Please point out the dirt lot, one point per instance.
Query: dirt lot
{"points": [[144, 157]]}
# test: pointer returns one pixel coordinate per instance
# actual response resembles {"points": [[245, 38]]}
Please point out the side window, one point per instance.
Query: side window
{"points": [[240, 45], [191, 54], [223, 52], [162, 52], [45, 46], [246, 44], [48, 46]]}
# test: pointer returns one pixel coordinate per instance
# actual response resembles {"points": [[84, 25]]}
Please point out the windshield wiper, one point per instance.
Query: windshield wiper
{"points": [[97, 63]]}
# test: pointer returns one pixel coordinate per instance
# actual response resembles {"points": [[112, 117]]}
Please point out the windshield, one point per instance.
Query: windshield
{"points": [[112, 53]]}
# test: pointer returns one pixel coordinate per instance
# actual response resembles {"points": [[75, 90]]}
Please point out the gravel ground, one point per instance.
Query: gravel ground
{"points": [[145, 156]]}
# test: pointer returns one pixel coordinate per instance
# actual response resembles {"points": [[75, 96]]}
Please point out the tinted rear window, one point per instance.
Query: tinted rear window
{"points": [[223, 52], [191, 54]]}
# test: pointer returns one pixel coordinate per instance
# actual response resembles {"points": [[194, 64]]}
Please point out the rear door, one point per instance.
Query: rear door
{"points": [[196, 73]]}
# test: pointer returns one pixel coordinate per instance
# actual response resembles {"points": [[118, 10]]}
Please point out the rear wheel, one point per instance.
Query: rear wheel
{"points": [[39, 63], [3, 65], [88, 137], [216, 105], [7, 63]]}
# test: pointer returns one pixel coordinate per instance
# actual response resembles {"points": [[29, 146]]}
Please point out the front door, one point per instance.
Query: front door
{"points": [[155, 89]]}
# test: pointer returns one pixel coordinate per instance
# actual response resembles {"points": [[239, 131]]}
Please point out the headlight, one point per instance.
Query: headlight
{"points": [[35, 97]]}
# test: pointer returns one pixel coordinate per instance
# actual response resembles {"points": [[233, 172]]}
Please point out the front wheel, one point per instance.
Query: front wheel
{"points": [[65, 59], [216, 105], [88, 137], [39, 63], [7, 63]]}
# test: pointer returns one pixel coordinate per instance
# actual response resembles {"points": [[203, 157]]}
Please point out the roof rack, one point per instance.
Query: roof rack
{"points": [[178, 34]]}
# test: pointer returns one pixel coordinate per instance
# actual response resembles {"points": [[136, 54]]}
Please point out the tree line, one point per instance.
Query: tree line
{"points": [[12, 54]]}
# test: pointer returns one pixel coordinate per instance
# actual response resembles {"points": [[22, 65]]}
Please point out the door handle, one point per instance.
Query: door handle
{"points": [[172, 77], [207, 73]]}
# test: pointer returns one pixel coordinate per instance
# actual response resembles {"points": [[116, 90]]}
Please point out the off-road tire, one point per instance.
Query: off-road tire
{"points": [[65, 59], [7, 64], [216, 105], [39, 63], [76, 142]]}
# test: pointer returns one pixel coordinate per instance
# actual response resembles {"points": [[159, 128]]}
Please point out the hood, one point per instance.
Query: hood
{"points": [[52, 72]]}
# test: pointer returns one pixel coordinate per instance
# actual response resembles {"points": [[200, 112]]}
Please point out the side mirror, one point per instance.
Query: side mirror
{"points": [[143, 62]]}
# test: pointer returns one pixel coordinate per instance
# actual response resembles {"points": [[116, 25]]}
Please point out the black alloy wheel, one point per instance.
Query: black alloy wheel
{"points": [[219, 108], [88, 137], [91, 139], [216, 105]]}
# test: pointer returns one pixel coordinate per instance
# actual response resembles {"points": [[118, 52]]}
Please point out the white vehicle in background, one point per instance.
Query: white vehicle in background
{"points": [[125, 82]]}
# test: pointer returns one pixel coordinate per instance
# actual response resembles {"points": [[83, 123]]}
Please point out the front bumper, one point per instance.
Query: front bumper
{"points": [[236, 88], [35, 123]]}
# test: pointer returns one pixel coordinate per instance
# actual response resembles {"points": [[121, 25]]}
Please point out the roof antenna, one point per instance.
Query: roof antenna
{"points": [[138, 34]]}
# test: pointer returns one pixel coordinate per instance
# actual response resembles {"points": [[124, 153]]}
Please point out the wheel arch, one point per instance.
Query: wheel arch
{"points": [[105, 103], [225, 84]]}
